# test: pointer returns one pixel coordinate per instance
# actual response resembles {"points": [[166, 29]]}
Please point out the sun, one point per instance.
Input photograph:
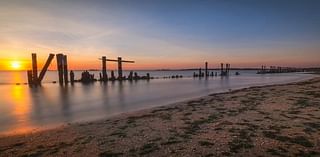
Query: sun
{"points": [[16, 65]]}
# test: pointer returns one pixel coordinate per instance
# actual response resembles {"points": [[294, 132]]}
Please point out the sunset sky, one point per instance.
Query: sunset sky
{"points": [[161, 33]]}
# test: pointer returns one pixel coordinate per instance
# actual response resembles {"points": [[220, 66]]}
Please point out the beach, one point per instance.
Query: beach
{"points": [[273, 120]]}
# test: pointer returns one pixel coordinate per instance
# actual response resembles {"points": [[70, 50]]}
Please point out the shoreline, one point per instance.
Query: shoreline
{"points": [[191, 127]]}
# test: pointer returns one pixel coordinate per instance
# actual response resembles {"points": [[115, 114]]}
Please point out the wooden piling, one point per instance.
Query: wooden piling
{"points": [[65, 69], [119, 68], [222, 69], [60, 67], [34, 69], [130, 77], [200, 73], [206, 69], [29, 74], [227, 69], [45, 68], [136, 77], [148, 76], [104, 68], [112, 76], [71, 77]]}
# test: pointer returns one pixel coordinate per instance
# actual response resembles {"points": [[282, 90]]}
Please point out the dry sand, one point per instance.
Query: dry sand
{"points": [[279, 120]]}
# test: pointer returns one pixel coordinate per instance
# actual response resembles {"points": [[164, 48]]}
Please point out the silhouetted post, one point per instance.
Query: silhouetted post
{"points": [[29, 74], [34, 69], [221, 69], [112, 76], [71, 77], [60, 67], [130, 77], [120, 68], [45, 68], [200, 73], [136, 76], [226, 69], [104, 68], [65, 69], [148, 76], [206, 69]]}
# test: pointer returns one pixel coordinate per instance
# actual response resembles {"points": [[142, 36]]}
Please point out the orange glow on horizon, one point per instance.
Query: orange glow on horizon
{"points": [[14, 65], [88, 61]]}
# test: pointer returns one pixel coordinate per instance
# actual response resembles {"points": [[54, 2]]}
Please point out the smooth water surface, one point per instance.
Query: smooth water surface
{"points": [[23, 109]]}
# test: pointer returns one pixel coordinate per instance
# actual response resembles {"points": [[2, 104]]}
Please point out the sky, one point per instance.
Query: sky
{"points": [[161, 34]]}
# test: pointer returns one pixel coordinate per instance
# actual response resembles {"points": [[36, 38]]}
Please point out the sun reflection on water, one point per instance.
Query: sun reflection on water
{"points": [[20, 109]]}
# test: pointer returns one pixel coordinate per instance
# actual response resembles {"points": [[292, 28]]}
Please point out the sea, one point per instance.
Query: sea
{"points": [[24, 109]]}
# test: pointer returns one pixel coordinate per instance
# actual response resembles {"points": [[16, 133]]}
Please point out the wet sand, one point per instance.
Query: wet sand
{"points": [[277, 120]]}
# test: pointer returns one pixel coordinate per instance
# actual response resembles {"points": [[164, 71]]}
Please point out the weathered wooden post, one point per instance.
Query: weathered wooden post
{"points": [[206, 69], [221, 69], [29, 74], [112, 76], [228, 69], [34, 69], [119, 68], [136, 76], [200, 73], [148, 76], [130, 77], [65, 69], [45, 68], [60, 67], [104, 68], [72, 77]]}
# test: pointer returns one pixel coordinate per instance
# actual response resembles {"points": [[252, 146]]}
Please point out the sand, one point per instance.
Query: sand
{"points": [[278, 120]]}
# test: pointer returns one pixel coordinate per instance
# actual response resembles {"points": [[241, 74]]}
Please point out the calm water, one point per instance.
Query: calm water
{"points": [[23, 109]]}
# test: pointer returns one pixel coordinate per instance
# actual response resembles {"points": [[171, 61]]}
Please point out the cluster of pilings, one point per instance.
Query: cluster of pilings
{"points": [[132, 75], [207, 73], [33, 78], [104, 76], [62, 67], [172, 77], [86, 77], [277, 69], [226, 71]]}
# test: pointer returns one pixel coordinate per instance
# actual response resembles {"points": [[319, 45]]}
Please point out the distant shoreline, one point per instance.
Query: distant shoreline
{"points": [[309, 69]]}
